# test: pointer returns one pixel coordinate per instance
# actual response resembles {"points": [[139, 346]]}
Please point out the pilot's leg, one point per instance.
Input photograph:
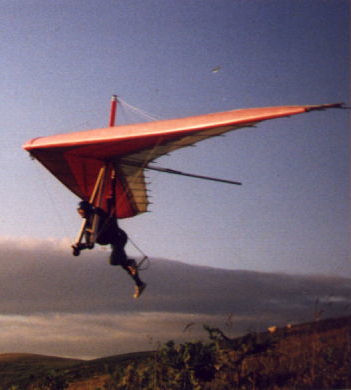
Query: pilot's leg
{"points": [[119, 257]]}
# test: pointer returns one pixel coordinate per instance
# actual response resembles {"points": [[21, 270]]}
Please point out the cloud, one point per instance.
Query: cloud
{"points": [[56, 304], [95, 335]]}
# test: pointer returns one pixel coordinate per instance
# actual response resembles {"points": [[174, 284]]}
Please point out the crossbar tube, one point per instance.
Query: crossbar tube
{"points": [[175, 172]]}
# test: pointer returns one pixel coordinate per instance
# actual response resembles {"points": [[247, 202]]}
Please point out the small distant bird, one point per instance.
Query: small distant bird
{"points": [[188, 326], [216, 69]]}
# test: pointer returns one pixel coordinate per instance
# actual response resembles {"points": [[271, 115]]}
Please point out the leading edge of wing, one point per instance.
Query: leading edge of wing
{"points": [[170, 126]]}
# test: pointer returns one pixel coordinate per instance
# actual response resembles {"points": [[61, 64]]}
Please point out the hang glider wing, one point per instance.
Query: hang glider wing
{"points": [[76, 158]]}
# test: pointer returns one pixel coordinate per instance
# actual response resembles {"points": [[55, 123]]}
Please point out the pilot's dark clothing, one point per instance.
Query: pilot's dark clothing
{"points": [[110, 233]]}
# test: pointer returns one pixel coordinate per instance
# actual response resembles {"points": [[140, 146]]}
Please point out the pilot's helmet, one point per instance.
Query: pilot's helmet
{"points": [[85, 205]]}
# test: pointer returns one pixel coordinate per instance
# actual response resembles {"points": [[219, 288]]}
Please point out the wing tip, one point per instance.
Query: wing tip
{"points": [[325, 106]]}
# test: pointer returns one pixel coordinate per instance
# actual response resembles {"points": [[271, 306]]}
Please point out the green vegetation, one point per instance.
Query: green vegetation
{"points": [[309, 356], [306, 357]]}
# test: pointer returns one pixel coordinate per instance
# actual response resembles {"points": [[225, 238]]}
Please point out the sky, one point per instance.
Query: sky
{"points": [[62, 60]]}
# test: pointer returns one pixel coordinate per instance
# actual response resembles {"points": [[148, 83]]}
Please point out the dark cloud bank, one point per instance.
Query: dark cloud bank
{"points": [[54, 303]]}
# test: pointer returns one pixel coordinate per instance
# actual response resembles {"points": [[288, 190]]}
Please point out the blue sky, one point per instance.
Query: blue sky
{"points": [[62, 61]]}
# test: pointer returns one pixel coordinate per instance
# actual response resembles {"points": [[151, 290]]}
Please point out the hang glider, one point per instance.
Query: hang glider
{"points": [[98, 164]]}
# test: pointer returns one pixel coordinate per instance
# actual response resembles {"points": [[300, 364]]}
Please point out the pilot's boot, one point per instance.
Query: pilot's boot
{"points": [[139, 288]]}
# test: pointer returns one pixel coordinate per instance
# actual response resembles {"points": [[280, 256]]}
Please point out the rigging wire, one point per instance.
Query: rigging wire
{"points": [[42, 178], [135, 176], [139, 111], [144, 259]]}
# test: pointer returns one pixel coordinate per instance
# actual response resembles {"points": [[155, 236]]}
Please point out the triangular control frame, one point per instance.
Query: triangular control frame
{"points": [[96, 200]]}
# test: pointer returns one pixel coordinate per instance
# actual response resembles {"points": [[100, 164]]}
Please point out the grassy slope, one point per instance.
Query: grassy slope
{"points": [[297, 348], [19, 368]]}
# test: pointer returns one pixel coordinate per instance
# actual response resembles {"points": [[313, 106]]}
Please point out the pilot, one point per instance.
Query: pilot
{"points": [[108, 232]]}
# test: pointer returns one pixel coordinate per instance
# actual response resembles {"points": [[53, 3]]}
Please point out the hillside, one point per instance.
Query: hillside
{"points": [[23, 368], [311, 355]]}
